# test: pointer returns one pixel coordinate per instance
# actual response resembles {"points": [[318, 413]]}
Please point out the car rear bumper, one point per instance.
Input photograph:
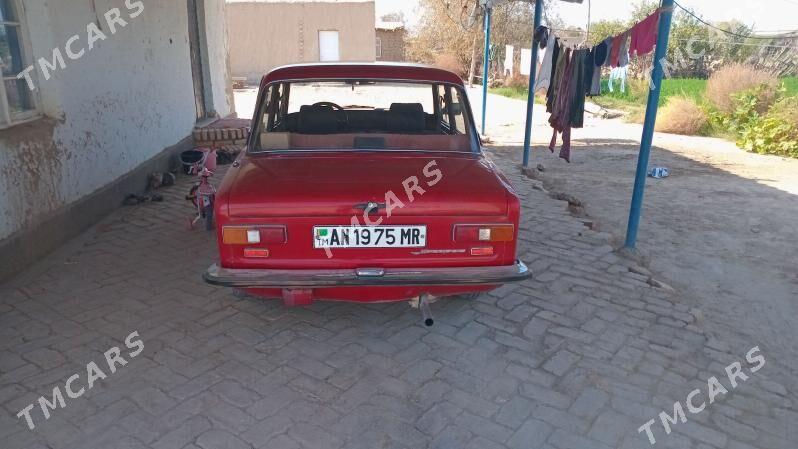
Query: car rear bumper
{"points": [[266, 278]]}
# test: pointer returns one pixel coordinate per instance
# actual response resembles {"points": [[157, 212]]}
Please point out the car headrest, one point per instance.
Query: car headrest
{"points": [[406, 117], [317, 120]]}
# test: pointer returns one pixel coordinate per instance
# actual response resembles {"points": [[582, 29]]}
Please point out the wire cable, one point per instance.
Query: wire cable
{"points": [[731, 33], [704, 41]]}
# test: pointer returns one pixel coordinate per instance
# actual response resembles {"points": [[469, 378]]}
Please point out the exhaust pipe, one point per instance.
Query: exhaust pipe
{"points": [[426, 313]]}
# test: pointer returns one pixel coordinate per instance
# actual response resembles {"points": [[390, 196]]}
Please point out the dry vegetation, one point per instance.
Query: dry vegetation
{"points": [[736, 78], [682, 115]]}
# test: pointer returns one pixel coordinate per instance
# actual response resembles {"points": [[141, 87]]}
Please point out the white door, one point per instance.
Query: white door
{"points": [[328, 46]]}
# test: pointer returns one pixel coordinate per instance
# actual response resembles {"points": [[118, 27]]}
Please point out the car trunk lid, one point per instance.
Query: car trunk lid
{"points": [[341, 183]]}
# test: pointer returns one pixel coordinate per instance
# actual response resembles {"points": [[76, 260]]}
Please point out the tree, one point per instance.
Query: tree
{"points": [[450, 32], [394, 17]]}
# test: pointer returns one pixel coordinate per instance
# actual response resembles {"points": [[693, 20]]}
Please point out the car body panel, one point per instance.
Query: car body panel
{"points": [[303, 189]]}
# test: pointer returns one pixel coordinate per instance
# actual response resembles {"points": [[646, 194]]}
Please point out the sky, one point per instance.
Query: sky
{"points": [[764, 15]]}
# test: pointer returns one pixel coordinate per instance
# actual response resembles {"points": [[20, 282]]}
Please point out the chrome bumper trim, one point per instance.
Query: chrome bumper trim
{"points": [[266, 278]]}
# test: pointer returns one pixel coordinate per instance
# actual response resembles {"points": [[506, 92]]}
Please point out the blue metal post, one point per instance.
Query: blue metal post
{"points": [[648, 126], [530, 101], [486, 67]]}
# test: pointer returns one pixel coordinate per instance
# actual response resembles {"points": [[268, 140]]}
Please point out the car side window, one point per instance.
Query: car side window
{"points": [[452, 114], [273, 107], [459, 117]]}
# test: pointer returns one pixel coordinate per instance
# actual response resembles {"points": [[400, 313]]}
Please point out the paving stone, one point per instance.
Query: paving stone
{"points": [[185, 434], [566, 440], [44, 358], [609, 428], [219, 439], [561, 419], [514, 412], [589, 402], [560, 362], [545, 395], [266, 429]]}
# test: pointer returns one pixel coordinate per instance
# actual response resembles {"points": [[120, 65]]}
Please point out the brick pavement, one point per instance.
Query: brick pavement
{"points": [[577, 358]]}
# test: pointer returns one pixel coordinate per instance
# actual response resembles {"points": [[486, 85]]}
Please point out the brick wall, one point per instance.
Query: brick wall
{"points": [[393, 45]]}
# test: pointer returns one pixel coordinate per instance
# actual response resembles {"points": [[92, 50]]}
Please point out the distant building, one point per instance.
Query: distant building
{"points": [[265, 34], [390, 41]]}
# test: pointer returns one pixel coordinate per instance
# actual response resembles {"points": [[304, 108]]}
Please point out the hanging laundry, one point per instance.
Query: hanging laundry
{"points": [[590, 69], [541, 36], [601, 52], [595, 82], [618, 73], [615, 52], [623, 52], [573, 78], [508, 60], [582, 77], [644, 35], [558, 65], [560, 119], [526, 61], [544, 79]]}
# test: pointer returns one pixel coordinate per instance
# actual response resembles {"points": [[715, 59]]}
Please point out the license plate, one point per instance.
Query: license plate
{"points": [[369, 236]]}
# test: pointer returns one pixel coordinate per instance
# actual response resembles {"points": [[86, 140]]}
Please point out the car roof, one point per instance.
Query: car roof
{"points": [[361, 70]]}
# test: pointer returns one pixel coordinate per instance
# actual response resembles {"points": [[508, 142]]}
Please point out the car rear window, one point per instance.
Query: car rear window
{"points": [[364, 115]]}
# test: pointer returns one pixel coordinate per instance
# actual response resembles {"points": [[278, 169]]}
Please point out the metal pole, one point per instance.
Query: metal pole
{"points": [[486, 67], [530, 101], [648, 126]]}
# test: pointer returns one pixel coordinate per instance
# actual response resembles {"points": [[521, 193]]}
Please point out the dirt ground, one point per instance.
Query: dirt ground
{"points": [[722, 229]]}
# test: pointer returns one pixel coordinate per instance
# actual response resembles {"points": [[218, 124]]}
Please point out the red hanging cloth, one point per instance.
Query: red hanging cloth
{"points": [[644, 35]]}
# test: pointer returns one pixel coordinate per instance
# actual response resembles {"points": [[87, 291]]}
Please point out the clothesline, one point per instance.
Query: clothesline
{"points": [[569, 75]]}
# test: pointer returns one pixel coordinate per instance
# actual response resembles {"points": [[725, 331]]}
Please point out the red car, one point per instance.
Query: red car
{"points": [[365, 182]]}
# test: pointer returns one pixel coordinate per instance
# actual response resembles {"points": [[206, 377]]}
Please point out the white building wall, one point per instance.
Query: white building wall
{"points": [[119, 105], [218, 53]]}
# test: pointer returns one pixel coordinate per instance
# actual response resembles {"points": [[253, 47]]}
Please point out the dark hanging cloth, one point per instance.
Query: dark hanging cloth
{"points": [[600, 53], [560, 119], [590, 67], [608, 43], [623, 57], [557, 64], [573, 81], [557, 54], [581, 68], [615, 51], [542, 36]]}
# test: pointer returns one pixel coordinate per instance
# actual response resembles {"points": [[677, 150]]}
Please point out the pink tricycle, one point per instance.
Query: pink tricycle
{"points": [[201, 162]]}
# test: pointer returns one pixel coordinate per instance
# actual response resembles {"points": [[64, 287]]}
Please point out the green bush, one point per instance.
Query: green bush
{"points": [[775, 132]]}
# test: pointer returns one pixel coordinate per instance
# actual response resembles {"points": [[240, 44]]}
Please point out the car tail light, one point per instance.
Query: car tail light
{"points": [[484, 233], [248, 235]]}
